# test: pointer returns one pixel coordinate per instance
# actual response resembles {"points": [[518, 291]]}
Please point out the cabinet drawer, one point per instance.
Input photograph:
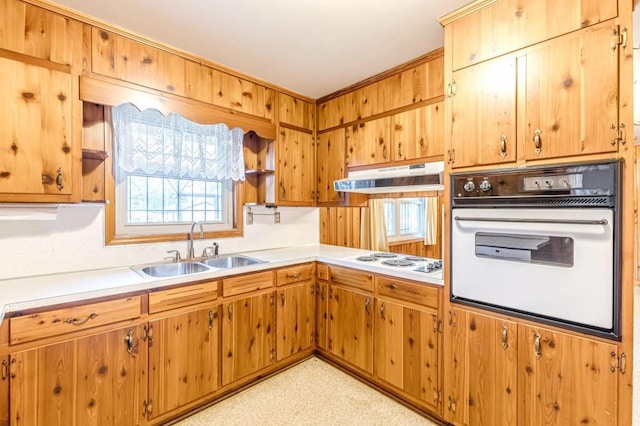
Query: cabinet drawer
{"points": [[295, 274], [323, 272], [408, 291], [60, 321], [182, 296], [247, 283], [351, 278]]}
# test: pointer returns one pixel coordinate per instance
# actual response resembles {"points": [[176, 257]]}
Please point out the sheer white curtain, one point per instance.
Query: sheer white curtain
{"points": [[430, 221], [172, 146], [377, 225]]}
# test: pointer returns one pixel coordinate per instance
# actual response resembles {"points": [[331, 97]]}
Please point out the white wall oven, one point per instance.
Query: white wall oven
{"points": [[540, 243]]}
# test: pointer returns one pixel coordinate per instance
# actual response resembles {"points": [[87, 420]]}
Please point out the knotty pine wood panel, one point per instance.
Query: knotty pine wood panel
{"points": [[295, 111], [295, 172], [341, 226], [242, 95], [368, 142], [4, 392], [295, 319], [330, 162], [511, 24], [183, 358], [36, 136], [198, 82], [34, 31], [418, 133], [322, 299]]}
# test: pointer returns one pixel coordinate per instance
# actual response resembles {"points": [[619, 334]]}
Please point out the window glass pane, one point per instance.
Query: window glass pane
{"points": [[411, 218], [390, 217]]}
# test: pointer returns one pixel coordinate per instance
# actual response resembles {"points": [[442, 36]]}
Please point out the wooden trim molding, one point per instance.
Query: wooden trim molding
{"points": [[465, 11], [104, 91]]}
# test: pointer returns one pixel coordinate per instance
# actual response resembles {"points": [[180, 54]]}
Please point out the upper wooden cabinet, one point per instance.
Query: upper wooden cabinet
{"points": [[295, 172], [37, 32], [38, 151], [330, 160], [119, 57], [296, 112], [368, 143], [418, 133], [565, 93], [509, 25]]}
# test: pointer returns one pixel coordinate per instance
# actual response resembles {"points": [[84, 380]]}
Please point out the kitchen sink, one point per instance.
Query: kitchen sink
{"points": [[174, 269], [231, 261]]}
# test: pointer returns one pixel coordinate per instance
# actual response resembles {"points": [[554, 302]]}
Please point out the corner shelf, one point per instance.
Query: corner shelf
{"points": [[94, 154]]}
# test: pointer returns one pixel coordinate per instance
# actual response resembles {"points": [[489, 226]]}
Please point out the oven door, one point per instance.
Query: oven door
{"points": [[557, 264]]}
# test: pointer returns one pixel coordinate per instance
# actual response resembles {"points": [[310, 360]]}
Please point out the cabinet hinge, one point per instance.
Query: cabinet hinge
{"points": [[437, 397], [147, 407], [620, 134], [619, 37], [621, 363], [451, 89]]}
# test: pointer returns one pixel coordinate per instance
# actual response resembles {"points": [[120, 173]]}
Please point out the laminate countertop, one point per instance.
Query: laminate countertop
{"points": [[34, 292]]}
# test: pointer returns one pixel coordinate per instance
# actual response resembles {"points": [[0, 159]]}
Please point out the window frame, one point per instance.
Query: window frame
{"points": [[397, 237]]}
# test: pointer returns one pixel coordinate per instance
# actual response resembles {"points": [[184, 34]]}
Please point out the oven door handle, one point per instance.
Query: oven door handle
{"points": [[602, 222]]}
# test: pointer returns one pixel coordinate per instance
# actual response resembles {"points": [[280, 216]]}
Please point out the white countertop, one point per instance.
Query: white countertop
{"points": [[44, 290]]}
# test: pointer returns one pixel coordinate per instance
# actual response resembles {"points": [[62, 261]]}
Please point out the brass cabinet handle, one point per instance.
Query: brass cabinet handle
{"points": [[435, 321], [537, 141], [59, 181], [150, 333], [230, 311], [81, 320], [5, 369], [505, 345], [623, 363], [384, 151], [382, 311], [503, 145], [399, 149], [282, 298], [367, 302], [536, 346], [294, 276], [210, 319], [128, 341]]}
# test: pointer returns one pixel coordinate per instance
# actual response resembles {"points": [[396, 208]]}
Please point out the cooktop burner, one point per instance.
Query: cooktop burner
{"points": [[415, 258], [397, 262], [385, 255], [366, 259]]}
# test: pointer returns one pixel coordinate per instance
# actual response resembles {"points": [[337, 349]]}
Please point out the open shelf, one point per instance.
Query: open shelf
{"points": [[94, 154]]}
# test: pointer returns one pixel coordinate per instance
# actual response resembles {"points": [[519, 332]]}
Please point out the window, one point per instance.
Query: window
{"points": [[170, 172], [404, 218]]}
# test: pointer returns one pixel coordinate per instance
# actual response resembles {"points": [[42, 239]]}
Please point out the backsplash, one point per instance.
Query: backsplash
{"points": [[75, 241]]}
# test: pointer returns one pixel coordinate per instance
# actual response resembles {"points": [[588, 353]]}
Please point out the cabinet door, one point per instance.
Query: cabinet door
{"points": [[4, 391], [295, 319], [419, 133], [36, 159], [330, 162], [480, 367], [322, 306], [572, 96], [368, 142], [483, 114], [351, 327], [183, 358], [247, 336], [566, 379], [296, 163], [406, 354], [94, 380]]}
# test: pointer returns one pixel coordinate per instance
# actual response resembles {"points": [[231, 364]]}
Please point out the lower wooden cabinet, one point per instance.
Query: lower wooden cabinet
{"points": [[183, 358], [322, 314], [500, 372], [94, 380], [480, 369], [350, 332], [4, 391], [248, 330], [407, 349], [295, 319]]}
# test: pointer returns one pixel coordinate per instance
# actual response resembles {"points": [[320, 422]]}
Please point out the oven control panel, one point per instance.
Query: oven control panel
{"points": [[550, 183]]}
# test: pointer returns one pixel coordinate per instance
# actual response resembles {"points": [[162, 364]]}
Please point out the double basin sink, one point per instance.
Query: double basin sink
{"points": [[164, 270]]}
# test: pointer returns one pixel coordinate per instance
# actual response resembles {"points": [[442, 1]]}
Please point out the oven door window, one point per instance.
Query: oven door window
{"points": [[548, 250]]}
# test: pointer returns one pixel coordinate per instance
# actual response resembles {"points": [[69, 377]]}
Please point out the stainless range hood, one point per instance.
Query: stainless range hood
{"points": [[409, 178]]}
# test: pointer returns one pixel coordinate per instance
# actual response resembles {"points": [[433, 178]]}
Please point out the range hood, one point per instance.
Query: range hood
{"points": [[408, 178]]}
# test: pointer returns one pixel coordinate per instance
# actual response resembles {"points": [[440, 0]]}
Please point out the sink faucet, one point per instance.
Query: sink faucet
{"points": [[190, 251]]}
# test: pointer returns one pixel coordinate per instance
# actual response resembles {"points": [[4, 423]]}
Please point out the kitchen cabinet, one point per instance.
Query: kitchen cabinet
{"points": [[566, 379], [295, 319], [296, 112], [98, 379], [184, 358], [322, 308], [350, 330], [248, 330], [565, 92], [368, 142], [419, 133], [37, 136], [330, 165], [4, 391], [407, 349], [296, 165], [480, 369]]}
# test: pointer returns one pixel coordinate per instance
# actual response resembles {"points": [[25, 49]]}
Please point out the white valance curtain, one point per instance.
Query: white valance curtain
{"points": [[150, 143]]}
